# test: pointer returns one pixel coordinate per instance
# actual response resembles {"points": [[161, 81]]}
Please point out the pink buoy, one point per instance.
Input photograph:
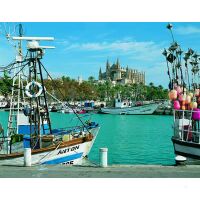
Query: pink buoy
{"points": [[175, 85], [182, 97], [177, 105], [196, 93], [196, 114], [179, 90]]}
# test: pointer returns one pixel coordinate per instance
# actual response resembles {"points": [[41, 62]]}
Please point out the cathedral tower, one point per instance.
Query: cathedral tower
{"points": [[107, 70], [100, 74]]}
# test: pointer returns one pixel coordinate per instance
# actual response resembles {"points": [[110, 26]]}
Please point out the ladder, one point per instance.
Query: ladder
{"points": [[17, 99]]}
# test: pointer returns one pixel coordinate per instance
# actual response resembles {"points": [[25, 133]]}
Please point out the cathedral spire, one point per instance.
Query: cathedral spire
{"points": [[107, 69], [100, 74], [107, 65], [117, 64]]}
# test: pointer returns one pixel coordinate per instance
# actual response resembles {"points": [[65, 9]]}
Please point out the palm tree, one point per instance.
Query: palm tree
{"points": [[91, 79]]}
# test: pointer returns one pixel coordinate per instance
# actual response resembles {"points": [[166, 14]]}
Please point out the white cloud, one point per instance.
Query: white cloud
{"points": [[144, 51], [187, 30], [157, 74], [145, 55], [116, 45]]}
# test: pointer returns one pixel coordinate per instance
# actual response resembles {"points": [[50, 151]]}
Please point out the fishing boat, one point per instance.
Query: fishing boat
{"points": [[3, 102], [184, 93], [125, 107], [31, 127]]}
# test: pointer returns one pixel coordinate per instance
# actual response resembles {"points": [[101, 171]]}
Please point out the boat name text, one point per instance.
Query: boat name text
{"points": [[68, 150]]}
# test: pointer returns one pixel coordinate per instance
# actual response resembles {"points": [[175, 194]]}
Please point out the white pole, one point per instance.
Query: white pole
{"points": [[8, 144], [103, 156], [27, 157]]}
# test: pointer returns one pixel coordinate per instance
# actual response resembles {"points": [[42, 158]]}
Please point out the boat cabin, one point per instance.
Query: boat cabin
{"points": [[187, 125], [122, 104]]}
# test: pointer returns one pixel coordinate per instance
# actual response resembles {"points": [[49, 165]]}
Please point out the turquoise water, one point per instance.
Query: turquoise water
{"points": [[130, 139]]}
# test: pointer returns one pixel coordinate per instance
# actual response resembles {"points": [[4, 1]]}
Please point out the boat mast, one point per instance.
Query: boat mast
{"points": [[17, 94], [38, 114]]}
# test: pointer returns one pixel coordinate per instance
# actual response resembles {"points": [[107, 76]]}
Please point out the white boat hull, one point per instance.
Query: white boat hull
{"points": [[3, 104], [187, 149], [70, 155], [136, 110]]}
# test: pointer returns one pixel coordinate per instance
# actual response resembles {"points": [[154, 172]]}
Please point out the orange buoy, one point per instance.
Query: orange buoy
{"points": [[172, 95], [188, 99]]}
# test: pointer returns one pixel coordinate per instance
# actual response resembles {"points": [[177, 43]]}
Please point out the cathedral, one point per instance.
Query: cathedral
{"points": [[117, 74]]}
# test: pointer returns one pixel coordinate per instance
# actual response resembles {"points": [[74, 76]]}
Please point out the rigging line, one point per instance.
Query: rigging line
{"points": [[168, 71], [11, 63], [64, 97], [23, 66], [172, 35], [188, 77], [10, 66], [49, 153]]}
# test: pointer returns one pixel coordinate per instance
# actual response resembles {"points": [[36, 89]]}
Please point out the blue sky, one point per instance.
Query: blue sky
{"points": [[82, 48]]}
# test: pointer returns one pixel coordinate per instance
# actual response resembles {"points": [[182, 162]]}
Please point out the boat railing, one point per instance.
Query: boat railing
{"points": [[69, 133], [187, 125]]}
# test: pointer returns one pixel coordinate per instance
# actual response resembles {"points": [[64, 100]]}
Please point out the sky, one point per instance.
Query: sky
{"points": [[83, 47]]}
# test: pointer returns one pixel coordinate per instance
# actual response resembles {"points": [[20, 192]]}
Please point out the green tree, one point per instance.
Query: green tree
{"points": [[5, 85], [91, 79]]}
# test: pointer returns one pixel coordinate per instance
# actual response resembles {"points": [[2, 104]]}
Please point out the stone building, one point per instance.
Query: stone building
{"points": [[117, 74]]}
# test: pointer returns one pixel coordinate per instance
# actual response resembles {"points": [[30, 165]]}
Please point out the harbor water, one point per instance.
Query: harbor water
{"points": [[130, 139]]}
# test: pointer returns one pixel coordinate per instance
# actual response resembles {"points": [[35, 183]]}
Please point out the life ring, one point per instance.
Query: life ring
{"points": [[27, 89]]}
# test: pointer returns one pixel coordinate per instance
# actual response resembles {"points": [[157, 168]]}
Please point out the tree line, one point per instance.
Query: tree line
{"points": [[67, 89]]}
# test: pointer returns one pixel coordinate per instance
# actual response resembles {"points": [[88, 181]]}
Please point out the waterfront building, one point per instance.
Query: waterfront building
{"points": [[122, 75]]}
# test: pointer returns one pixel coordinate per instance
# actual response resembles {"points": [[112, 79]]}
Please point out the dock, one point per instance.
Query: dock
{"points": [[113, 171]]}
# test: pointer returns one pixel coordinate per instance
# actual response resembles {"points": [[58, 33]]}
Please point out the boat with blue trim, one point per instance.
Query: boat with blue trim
{"points": [[30, 126]]}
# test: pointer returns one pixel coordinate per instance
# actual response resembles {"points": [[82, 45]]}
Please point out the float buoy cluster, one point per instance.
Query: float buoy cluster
{"points": [[186, 100]]}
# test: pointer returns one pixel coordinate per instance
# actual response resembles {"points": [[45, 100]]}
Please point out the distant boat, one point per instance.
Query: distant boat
{"points": [[127, 108], [3, 104], [81, 111]]}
